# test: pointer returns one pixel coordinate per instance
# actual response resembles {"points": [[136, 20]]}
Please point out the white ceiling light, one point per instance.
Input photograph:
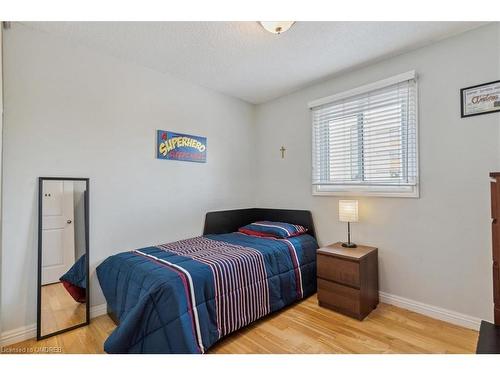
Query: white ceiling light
{"points": [[276, 27]]}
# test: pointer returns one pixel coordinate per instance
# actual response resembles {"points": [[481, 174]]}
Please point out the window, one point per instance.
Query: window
{"points": [[365, 140]]}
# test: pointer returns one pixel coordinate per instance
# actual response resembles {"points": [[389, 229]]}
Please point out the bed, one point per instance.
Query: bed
{"points": [[184, 296]]}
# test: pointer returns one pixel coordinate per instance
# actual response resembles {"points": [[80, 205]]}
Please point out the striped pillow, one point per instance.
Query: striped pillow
{"points": [[274, 229]]}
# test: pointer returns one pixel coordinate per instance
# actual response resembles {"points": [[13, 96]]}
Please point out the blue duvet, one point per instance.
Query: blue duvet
{"points": [[77, 274], [184, 296]]}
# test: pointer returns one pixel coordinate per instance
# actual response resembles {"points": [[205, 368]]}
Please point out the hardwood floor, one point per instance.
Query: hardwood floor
{"points": [[59, 309], [305, 328], [85, 340]]}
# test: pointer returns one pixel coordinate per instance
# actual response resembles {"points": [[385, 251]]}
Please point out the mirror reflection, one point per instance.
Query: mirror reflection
{"points": [[63, 237]]}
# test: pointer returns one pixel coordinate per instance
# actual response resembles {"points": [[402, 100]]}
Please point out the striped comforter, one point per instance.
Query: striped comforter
{"points": [[184, 296]]}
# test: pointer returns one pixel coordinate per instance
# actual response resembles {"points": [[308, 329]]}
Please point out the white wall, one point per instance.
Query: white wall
{"points": [[79, 218], [435, 249], [73, 112]]}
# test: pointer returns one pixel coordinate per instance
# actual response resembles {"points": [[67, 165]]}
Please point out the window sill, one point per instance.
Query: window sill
{"points": [[367, 191]]}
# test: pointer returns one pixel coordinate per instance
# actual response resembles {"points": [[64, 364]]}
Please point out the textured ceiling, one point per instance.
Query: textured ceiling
{"points": [[243, 60]]}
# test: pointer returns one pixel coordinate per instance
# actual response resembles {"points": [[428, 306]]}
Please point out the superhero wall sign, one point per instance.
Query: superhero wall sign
{"points": [[177, 146]]}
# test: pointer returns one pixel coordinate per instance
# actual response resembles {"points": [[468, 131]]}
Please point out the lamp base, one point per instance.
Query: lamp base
{"points": [[349, 245]]}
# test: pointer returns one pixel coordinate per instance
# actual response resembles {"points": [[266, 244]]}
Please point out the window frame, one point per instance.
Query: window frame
{"points": [[401, 191]]}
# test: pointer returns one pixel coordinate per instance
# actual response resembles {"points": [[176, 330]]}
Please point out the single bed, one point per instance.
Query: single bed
{"points": [[184, 296]]}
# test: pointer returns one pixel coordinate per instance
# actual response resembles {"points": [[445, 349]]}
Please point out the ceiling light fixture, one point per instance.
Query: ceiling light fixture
{"points": [[276, 27]]}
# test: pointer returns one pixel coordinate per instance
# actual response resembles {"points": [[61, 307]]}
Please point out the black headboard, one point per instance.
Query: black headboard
{"points": [[218, 222]]}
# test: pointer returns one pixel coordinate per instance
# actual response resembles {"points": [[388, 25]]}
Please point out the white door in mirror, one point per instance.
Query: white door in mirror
{"points": [[58, 237]]}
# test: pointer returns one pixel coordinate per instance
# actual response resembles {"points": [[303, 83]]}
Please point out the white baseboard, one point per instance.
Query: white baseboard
{"points": [[28, 332], [449, 316], [17, 335], [98, 310]]}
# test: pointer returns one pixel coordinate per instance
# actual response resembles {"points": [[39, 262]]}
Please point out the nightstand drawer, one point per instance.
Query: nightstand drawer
{"points": [[343, 298], [339, 270]]}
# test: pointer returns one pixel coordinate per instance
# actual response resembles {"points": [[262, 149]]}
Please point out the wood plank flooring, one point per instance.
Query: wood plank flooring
{"points": [[304, 328], [59, 309]]}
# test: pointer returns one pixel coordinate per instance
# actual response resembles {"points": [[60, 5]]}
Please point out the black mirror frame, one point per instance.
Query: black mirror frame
{"points": [[39, 284]]}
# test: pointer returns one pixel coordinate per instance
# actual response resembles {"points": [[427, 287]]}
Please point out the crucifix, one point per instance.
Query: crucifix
{"points": [[282, 149]]}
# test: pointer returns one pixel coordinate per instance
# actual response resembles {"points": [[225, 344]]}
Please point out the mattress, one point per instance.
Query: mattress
{"points": [[184, 296]]}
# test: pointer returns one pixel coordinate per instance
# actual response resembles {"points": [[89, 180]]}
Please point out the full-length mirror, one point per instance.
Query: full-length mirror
{"points": [[63, 253]]}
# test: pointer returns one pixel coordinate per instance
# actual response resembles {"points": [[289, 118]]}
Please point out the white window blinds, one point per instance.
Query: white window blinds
{"points": [[368, 138]]}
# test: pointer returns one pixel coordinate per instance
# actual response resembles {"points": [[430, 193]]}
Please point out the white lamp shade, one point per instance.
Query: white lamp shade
{"points": [[348, 211], [276, 27]]}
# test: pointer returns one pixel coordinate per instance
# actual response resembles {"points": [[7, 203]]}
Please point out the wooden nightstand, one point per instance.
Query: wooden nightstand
{"points": [[348, 279]]}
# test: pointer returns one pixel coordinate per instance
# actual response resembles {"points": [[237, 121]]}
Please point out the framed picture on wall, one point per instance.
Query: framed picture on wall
{"points": [[480, 99], [178, 146]]}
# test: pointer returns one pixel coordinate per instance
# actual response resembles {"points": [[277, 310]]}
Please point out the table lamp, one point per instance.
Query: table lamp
{"points": [[348, 212]]}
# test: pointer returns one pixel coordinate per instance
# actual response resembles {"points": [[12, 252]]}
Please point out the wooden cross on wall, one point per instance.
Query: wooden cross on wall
{"points": [[282, 149]]}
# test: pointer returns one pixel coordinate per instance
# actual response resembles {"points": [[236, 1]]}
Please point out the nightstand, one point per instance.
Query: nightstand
{"points": [[348, 279]]}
